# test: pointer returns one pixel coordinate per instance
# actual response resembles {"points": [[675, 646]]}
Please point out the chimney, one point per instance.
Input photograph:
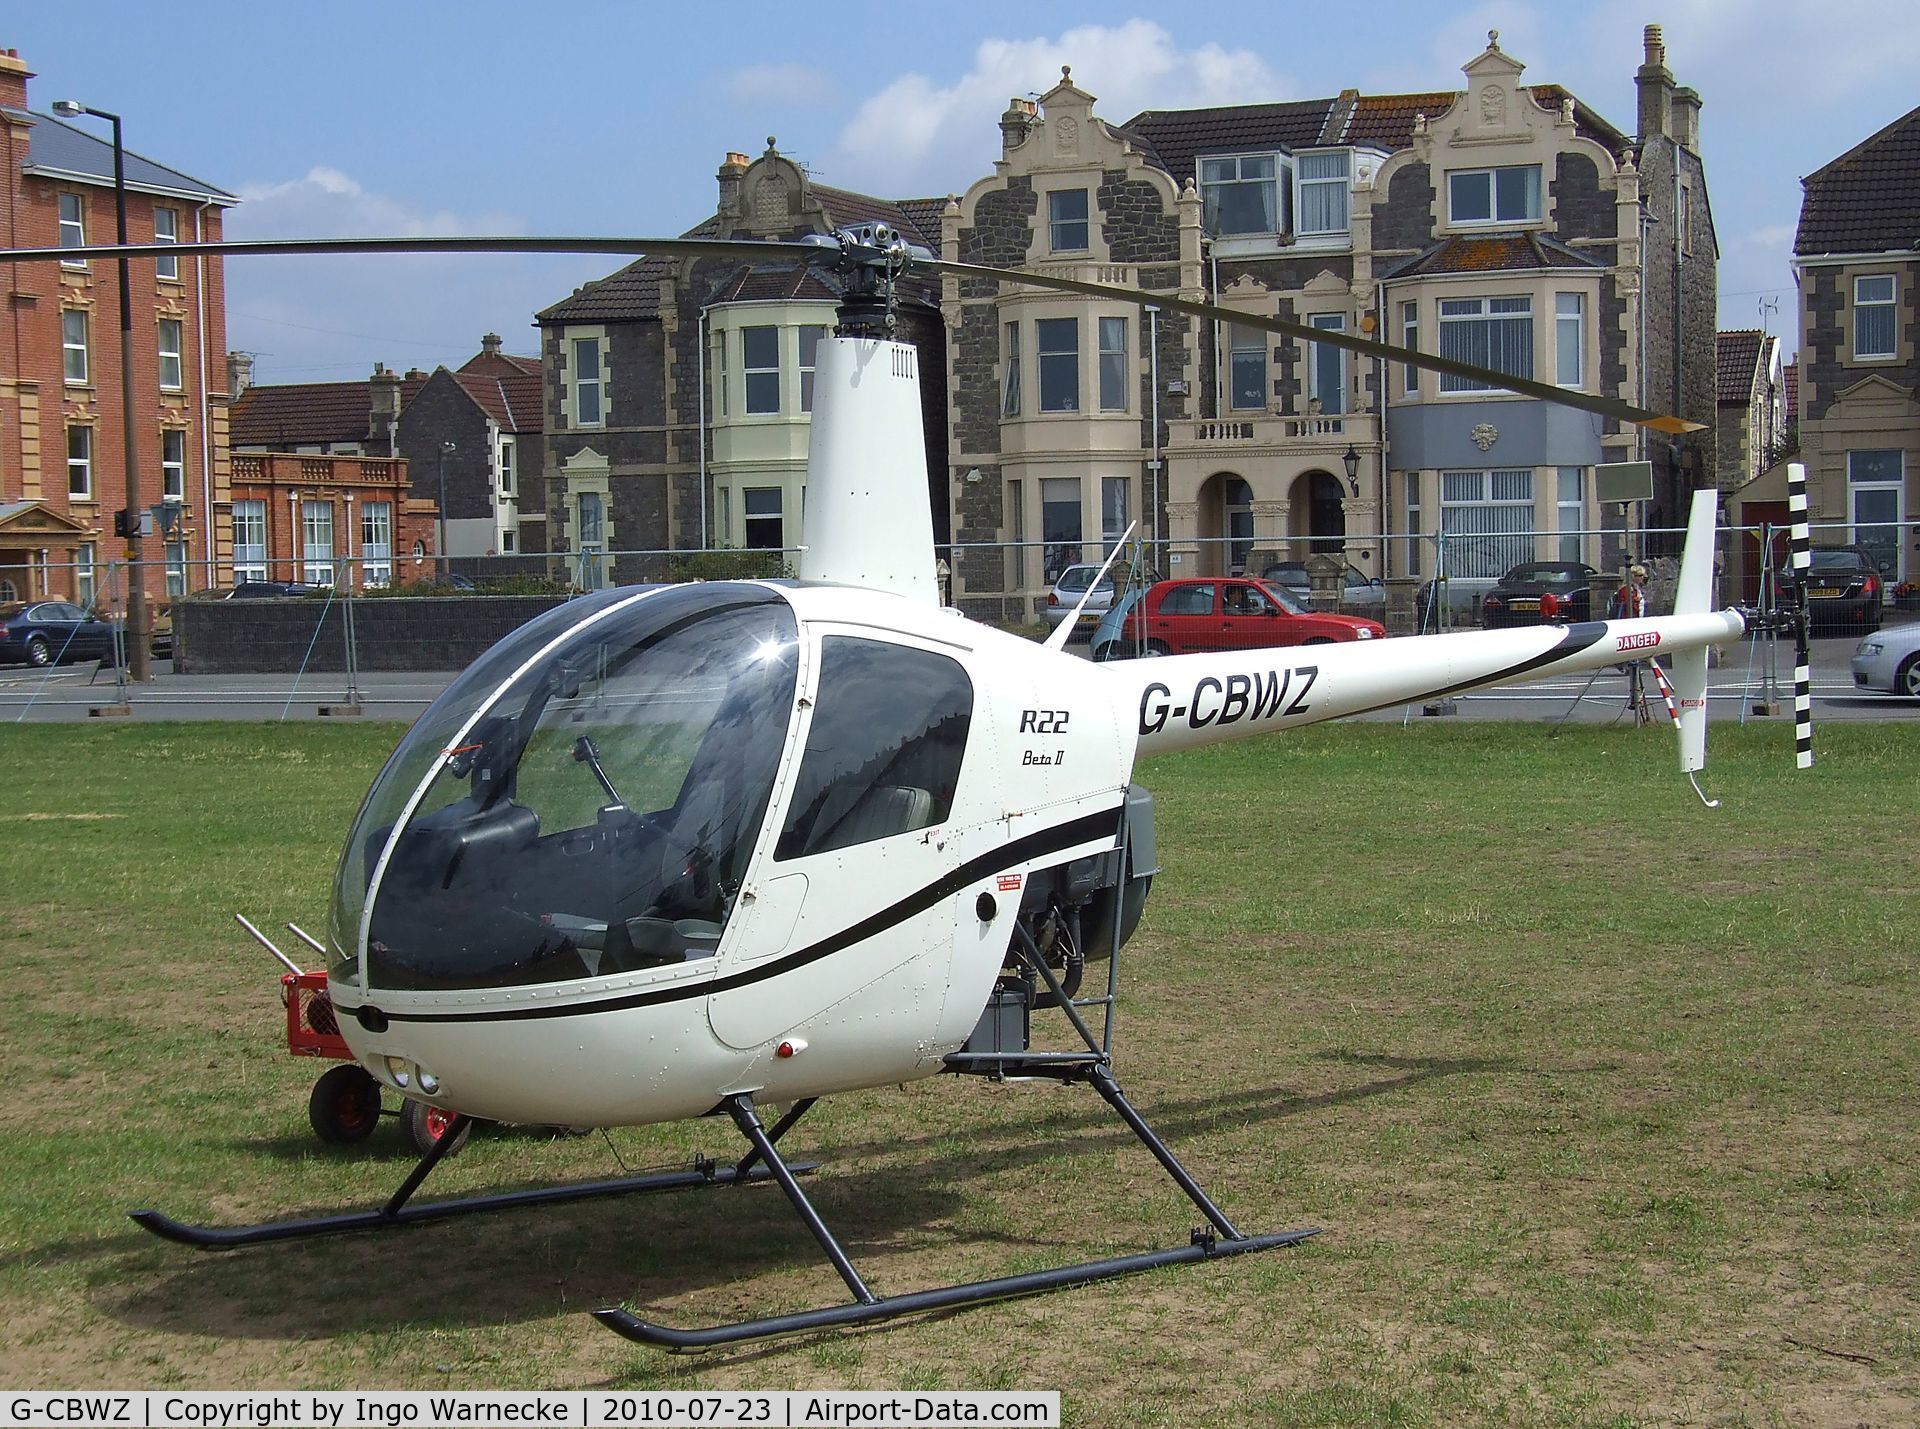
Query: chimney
{"points": [[490, 345], [731, 168], [13, 80], [1686, 119], [1017, 123], [1655, 83], [383, 410], [239, 374]]}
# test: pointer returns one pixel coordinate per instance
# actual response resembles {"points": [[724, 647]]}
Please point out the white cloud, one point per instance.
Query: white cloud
{"points": [[921, 135], [788, 84], [324, 202]]}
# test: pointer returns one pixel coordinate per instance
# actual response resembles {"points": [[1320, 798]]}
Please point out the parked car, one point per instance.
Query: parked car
{"points": [[1889, 660], [1462, 597], [46, 632], [1360, 593], [1074, 581], [1843, 589], [1179, 617], [1534, 592], [258, 590], [161, 643]]}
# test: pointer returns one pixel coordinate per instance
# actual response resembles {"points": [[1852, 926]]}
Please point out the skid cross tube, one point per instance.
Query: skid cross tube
{"points": [[1204, 1244]]}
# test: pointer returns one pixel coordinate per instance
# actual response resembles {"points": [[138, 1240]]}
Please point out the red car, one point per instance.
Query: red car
{"points": [[1230, 613]]}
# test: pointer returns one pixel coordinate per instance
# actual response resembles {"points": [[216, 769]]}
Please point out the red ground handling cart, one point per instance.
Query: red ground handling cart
{"points": [[344, 1105]]}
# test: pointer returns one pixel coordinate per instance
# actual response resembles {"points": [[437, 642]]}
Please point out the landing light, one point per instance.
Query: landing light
{"points": [[398, 1069]]}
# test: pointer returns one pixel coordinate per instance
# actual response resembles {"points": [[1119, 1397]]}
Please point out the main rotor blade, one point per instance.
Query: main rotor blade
{"points": [[1366, 347], [750, 250]]}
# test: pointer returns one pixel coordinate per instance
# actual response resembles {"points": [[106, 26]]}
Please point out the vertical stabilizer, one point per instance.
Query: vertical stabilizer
{"points": [[1694, 596], [867, 518]]}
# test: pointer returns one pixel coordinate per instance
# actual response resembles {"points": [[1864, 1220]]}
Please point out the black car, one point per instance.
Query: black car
{"points": [[46, 632], [259, 590], [1534, 592], [1843, 589]]}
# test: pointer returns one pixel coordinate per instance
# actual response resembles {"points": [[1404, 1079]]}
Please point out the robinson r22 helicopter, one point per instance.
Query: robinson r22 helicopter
{"points": [[697, 850]]}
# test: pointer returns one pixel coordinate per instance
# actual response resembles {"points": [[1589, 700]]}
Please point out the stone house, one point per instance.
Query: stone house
{"points": [[1501, 223]]}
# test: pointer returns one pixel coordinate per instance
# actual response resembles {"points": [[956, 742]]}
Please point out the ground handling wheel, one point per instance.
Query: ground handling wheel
{"points": [[424, 1125], [344, 1106]]}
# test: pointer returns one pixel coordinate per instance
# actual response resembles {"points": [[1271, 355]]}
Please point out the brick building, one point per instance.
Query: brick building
{"points": [[62, 453], [627, 407], [1501, 223]]}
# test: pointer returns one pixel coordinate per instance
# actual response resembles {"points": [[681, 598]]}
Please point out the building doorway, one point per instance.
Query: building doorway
{"points": [[1317, 514]]}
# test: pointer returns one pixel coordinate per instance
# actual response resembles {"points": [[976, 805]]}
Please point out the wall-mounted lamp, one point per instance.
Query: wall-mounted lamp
{"points": [[1351, 461]]}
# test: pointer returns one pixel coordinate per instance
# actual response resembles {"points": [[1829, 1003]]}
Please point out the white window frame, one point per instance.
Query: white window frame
{"points": [[1483, 315], [591, 550], [1570, 339], [173, 464], [504, 461], [1871, 533], [811, 336], [316, 542], [166, 229], [1890, 305], [73, 230], [75, 366], [594, 385], [1060, 228], [169, 346], [1410, 339], [176, 569], [1278, 182], [1570, 512], [749, 371], [1495, 218], [1115, 501], [80, 464], [1412, 479], [1112, 333], [1010, 395], [1332, 404], [1064, 548], [249, 554], [376, 542], [1054, 360], [1488, 519], [1246, 350], [754, 533], [1340, 183], [85, 585]]}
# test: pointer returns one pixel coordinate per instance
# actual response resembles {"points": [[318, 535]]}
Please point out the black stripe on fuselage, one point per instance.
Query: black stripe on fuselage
{"points": [[1105, 824], [1585, 635]]}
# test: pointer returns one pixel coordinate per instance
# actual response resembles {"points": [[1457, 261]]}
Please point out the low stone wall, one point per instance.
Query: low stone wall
{"points": [[235, 637]]}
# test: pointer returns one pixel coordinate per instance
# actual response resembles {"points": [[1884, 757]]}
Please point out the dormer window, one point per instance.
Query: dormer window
{"points": [[1246, 194], [1323, 192], [1509, 195]]}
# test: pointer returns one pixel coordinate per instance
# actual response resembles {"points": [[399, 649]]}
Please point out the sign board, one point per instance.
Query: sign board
{"points": [[1623, 481]]}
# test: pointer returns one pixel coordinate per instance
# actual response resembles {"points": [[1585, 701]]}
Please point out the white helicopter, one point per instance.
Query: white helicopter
{"points": [[671, 852]]}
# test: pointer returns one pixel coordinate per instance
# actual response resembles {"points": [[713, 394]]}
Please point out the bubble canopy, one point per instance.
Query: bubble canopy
{"points": [[580, 802]]}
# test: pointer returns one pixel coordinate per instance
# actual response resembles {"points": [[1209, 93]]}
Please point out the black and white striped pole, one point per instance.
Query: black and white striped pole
{"points": [[1802, 661]]}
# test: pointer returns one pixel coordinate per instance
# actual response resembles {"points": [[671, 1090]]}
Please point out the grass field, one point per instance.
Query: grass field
{"points": [[1607, 1103]]}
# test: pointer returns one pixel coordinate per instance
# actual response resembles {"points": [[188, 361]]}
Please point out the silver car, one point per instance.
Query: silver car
{"points": [[1889, 659], [1074, 581]]}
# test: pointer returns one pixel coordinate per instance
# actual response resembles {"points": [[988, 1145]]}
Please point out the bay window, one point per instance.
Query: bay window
{"points": [[1058, 344], [1569, 339], [1245, 194], [1113, 364], [1323, 192], [1487, 332], [760, 360], [1246, 369]]}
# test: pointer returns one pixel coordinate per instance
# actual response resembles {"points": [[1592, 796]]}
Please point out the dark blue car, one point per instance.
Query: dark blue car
{"points": [[46, 632]]}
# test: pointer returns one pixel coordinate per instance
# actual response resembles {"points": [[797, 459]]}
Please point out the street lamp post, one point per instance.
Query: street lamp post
{"points": [[447, 448], [137, 619]]}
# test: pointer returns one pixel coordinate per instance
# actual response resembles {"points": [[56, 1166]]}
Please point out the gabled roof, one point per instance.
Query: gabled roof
{"points": [[1492, 253], [58, 150], [1868, 199], [1790, 389], [300, 412], [1737, 356], [501, 364], [512, 401]]}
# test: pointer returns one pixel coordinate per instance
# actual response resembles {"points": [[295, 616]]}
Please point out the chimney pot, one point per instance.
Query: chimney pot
{"points": [[490, 344]]}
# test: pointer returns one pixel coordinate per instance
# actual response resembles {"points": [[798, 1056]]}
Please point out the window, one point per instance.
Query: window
{"points": [[592, 544], [1241, 194], [588, 382], [249, 540], [720, 373], [1246, 369], [80, 463], [1060, 524], [1113, 511], [316, 541], [166, 229], [1113, 364], [884, 750], [1413, 521], [1569, 341], [1058, 340], [1494, 195], [172, 376], [1410, 339], [1570, 509], [1067, 221], [1873, 317], [84, 586], [73, 344], [1189, 600], [1323, 193], [1329, 366], [760, 358], [173, 465], [376, 541], [506, 466], [766, 525], [73, 227], [1010, 358], [809, 353], [1488, 332], [176, 568], [1487, 520], [509, 541], [1683, 220], [1876, 483], [1016, 572]]}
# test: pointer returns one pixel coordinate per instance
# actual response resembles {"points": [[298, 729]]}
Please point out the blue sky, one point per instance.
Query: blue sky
{"points": [[605, 118]]}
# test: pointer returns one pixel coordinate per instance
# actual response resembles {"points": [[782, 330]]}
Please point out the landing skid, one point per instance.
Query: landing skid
{"points": [[1216, 1240], [397, 1211]]}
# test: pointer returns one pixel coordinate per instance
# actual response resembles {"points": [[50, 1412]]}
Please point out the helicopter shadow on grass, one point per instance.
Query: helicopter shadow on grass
{"points": [[911, 1210]]}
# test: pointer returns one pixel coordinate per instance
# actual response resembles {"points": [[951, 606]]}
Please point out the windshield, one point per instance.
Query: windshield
{"points": [[582, 801], [1283, 598], [1543, 575]]}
